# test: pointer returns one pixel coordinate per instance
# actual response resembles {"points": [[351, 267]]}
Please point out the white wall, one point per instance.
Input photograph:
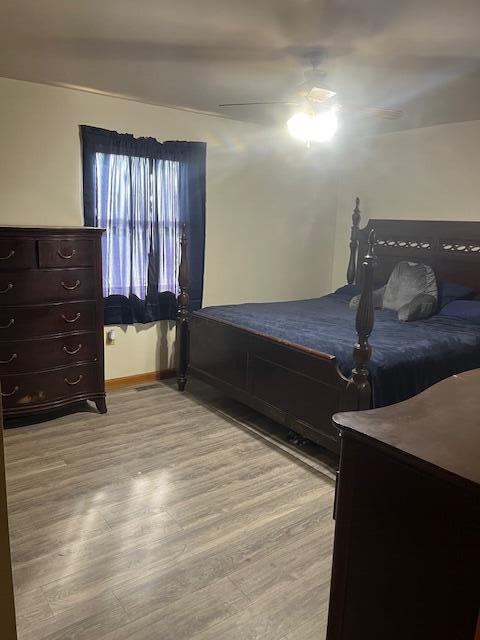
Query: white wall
{"points": [[278, 215], [270, 203], [430, 173]]}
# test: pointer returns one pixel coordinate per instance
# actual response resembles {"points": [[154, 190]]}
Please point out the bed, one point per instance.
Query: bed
{"points": [[299, 362]]}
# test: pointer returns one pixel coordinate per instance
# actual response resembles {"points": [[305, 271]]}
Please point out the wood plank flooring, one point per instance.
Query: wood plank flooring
{"points": [[166, 519]]}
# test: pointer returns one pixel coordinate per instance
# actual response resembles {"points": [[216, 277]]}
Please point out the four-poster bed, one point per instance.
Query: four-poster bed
{"points": [[270, 356]]}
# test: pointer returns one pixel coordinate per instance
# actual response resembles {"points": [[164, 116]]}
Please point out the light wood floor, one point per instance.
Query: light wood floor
{"points": [[165, 519]]}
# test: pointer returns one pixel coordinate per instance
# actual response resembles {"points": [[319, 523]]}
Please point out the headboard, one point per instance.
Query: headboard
{"points": [[451, 248]]}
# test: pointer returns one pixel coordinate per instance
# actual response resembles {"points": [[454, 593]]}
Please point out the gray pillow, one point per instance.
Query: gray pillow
{"points": [[422, 306], [406, 282]]}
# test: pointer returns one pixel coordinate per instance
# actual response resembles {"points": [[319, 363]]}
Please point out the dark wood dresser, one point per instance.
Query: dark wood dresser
{"points": [[7, 599], [407, 539], [51, 318]]}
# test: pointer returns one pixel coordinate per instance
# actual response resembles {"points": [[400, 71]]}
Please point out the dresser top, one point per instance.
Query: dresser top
{"points": [[440, 426], [26, 230]]}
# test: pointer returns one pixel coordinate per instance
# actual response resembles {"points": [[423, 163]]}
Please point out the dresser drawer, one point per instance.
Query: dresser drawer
{"points": [[31, 390], [65, 252], [42, 285], [23, 356], [17, 253], [33, 322]]}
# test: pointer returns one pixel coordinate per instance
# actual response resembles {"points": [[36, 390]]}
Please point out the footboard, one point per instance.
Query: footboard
{"points": [[295, 386]]}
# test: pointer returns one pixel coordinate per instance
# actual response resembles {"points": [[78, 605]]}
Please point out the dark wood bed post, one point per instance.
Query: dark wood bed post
{"points": [[182, 329], [364, 321], [352, 263]]}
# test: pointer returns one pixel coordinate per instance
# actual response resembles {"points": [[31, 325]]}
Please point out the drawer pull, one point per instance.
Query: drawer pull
{"points": [[12, 393], [9, 287], [65, 256], [74, 319], [9, 255], [71, 287], [74, 382], [11, 359], [9, 324], [72, 352]]}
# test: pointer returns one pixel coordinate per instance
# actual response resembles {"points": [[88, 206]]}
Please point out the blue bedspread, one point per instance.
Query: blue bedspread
{"points": [[407, 357]]}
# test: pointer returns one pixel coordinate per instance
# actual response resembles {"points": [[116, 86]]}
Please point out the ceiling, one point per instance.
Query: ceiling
{"points": [[422, 56]]}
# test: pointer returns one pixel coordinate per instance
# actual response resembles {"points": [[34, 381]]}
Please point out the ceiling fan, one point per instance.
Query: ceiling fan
{"points": [[317, 120]]}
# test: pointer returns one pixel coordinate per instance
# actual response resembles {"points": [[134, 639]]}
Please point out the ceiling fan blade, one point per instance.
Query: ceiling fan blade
{"points": [[252, 104], [381, 112], [389, 114]]}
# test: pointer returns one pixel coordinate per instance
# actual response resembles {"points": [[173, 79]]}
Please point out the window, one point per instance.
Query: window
{"points": [[141, 191], [137, 202]]}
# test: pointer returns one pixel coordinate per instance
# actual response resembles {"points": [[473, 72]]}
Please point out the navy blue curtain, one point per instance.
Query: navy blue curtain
{"points": [[142, 191]]}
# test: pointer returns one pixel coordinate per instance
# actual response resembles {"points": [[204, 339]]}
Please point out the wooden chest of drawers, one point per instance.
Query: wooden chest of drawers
{"points": [[406, 560], [51, 318]]}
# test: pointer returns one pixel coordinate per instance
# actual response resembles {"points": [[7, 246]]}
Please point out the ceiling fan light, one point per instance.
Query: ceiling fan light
{"points": [[300, 126], [324, 126], [313, 128]]}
